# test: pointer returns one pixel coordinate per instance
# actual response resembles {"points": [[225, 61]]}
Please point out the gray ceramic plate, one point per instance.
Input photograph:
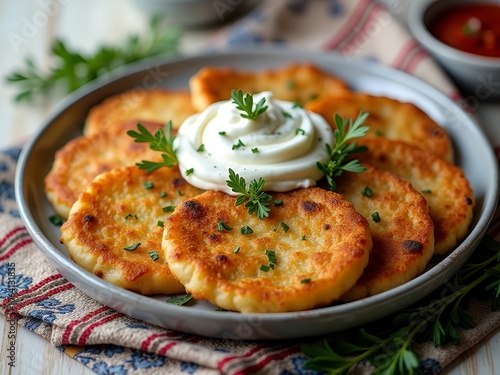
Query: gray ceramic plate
{"points": [[473, 151]]}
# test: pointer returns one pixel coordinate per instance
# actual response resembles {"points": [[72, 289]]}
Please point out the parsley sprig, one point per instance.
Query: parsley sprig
{"points": [[245, 104], [162, 140], [71, 69], [437, 318], [344, 132], [254, 198]]}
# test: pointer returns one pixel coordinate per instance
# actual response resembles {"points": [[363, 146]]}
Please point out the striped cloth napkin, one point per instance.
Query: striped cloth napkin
{"points": [[109, 342]]}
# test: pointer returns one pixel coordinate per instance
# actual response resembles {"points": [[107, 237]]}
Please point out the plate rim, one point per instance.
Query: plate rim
{"points": [[52, 254]]}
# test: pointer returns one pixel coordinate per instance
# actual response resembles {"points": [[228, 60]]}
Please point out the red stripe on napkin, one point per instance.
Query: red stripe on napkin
{"points": [[69, 328], [403, 53], [36, 286], [415, 60], [145, 344], [86, 333], [362, 9], [166, 348], [15, 248], [361, 35], [10, 234], [51, 292], [222, 363], [263, 362]]}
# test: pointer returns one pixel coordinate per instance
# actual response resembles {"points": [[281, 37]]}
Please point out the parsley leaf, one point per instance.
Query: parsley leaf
{"points": [[254, 198], [179, 300], [245, 104], [162, 141], [345, 131], [71, 69]]}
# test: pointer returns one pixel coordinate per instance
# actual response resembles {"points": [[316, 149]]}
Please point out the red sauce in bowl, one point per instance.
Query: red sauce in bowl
{"points": [[473, 28]]}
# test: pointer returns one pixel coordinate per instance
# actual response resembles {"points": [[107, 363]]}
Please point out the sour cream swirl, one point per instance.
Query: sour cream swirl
{"points": [[282, 145]]}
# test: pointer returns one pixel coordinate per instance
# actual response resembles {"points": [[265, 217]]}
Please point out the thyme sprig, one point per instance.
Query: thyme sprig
{"points": [[344, 132], [162, 140], [71, 69], [254, 198], [245, 104], [436, 319]]}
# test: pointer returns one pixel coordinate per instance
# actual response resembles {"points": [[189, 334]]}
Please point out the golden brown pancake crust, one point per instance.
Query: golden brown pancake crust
{"points": [[444, 186], [295, 83], [403, 239], [140, 105], [121, 208], [80, 160], [321, 247], [388, 118]]}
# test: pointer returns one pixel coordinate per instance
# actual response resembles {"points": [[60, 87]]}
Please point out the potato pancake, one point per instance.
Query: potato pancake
{"points": [[115, 227], [310, 250], [444, 186], [401, 229], [80, 160], [295, 83], [388, 118], [140, 105]]}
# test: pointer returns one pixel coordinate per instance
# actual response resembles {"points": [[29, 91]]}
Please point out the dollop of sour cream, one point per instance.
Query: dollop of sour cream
{"points": [[281, 145]]}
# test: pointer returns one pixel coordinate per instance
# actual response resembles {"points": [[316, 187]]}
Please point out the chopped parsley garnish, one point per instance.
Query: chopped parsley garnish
{"points": [[278, 202], [161, 223], [148, 185], [286, 114], [179, 300], [201, 148], [236, 250], [255, 150], [303, 237], [367, 191], [153, 254], [376, 217], [130, 215], [297, 105], [221, 226], [284, 226], [264, 268], [238, 145], [222, 133], [428, 191], [246, 230], [162, 141], [180, 193], [254, 198], [56, 220], [300, 131], [305, 281], [163, 194], [132, 247], [168, 208], [345, 131], [245, 104], [189, 171]]}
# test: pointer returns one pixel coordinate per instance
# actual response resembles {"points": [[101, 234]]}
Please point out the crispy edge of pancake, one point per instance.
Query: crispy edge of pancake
{"points": [[103, 221], [403, 239], [316, 235], [83, 158], [139, 105], [294, 82], [445, 187], [388, 117]]}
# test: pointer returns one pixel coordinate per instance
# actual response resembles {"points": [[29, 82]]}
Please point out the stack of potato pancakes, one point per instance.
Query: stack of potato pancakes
{"points": [[153, 233]]}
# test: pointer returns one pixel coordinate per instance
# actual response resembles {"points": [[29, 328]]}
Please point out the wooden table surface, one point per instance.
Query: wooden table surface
{"points": [[84, 25]]}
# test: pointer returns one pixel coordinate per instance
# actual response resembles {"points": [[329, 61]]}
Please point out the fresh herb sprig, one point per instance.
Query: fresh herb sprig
{"points": [[245, 104], [162, 140], [437, 319], [254, 198], [71, 70], [344, 132]]}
